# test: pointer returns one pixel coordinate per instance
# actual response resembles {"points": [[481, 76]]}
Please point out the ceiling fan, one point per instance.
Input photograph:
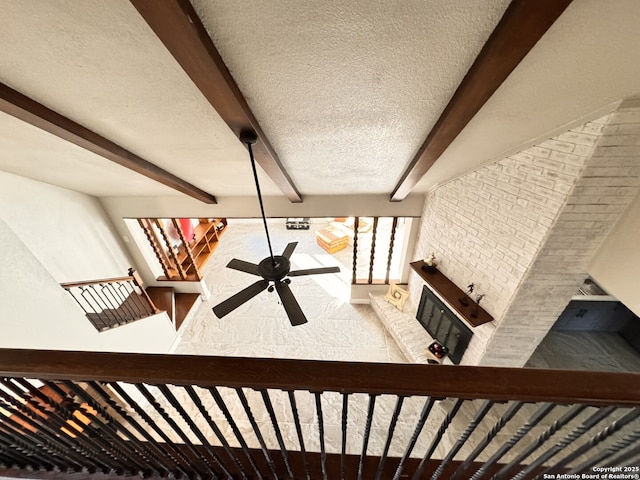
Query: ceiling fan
{"points": [[274, 269]]}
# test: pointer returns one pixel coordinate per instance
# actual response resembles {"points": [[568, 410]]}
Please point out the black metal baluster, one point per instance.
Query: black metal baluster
{"points": [[354, 275], [557, 425], [367, 432], [612, 428], [236, 431], [86, 448], [29, 443], [32, 414], [90, 430], [391, 429], [172, 452], [214, 427], [438, 437], [113, 429], [426, 409], [22, 448], [577, 432], [109, 317], [296, 419], [373, 249], [129, 313], [477, 419], [139, 300], [167, 418], [164, 389], [117, 314], [508, 415], [97, 320], [630, 457], [392, 239], [157, 454], [343, 451], [256, 430], [276, 429], [127, 290], [323, 453], [542, 412], [632, 438]]}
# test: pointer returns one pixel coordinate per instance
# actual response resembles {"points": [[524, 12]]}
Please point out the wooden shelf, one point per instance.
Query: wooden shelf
{"points": [[450, 292], [206, 236]]}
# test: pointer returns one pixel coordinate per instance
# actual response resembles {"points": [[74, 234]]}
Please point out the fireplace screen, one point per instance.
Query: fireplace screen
{"points": [[443, 325]]}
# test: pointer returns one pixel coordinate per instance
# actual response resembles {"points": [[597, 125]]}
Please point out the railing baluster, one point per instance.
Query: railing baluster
{"points": [[477, 419], [632, 438], [394, 226], [390, 430], [154, 241], [164, 389], [538, 415], [354, 275], [256, 430], [610, 429], [438, 437], [373, 249], [323, 453], [557, 425], [428, 405], [367, 432], [130, 300], [502, 421], [115, 309], [169, 446], [97, 319], [171, 422], [89, 430], [86, 448], [107, 316], [343, 450], [28, 449], [172, 253], [157, 454], [276, 429], [577, 432], [214, 427], [24, 410], [236, 431], [187, 249], [107, 427], [296, 419], [123, 306]]}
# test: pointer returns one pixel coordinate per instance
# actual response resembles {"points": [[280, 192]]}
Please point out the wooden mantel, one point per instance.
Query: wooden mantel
{"points": [[450, 292]]}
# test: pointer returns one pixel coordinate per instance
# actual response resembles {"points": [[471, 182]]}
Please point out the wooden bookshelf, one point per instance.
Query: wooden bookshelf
{"points": [[206, 237], [451, 293]]}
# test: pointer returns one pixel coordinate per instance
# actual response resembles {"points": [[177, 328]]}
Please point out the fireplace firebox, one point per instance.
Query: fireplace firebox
{"points": [[443, 325]]}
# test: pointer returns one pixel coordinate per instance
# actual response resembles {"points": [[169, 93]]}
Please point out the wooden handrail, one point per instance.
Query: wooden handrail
{"points": [[493, 383], [94, 282]]}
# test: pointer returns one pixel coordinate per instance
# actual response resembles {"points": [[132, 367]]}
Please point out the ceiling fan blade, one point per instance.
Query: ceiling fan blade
{"points": [[289, 249], [243, 266], [314, 271], [290, 304], [231, 303]]}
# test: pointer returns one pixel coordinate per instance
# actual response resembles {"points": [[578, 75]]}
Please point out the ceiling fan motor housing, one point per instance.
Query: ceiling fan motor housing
{"points": [[274, 269]]}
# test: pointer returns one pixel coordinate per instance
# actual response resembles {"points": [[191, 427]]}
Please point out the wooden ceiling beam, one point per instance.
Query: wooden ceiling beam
{"points": [[179, 28], [522, 25], [24, 108]]}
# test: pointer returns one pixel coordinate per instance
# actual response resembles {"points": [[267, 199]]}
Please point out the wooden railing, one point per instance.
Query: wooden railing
{"points": [[372, 258], [216, 417], [112, 302], [182, 258]]}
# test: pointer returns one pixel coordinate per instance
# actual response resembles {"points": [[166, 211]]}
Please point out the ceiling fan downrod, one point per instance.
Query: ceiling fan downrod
{"points": [[250, 138]]}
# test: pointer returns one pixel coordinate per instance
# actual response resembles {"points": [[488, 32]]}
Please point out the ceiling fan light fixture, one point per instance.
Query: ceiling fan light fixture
{"points": [[274, 269]]}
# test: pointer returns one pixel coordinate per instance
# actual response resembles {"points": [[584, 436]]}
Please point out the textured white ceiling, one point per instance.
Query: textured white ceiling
{"points": [[346, 91]]}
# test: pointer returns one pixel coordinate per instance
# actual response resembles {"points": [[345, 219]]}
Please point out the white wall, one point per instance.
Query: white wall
{"points": [[36, 313], [616, 265], [51, 235], [67, 231]]}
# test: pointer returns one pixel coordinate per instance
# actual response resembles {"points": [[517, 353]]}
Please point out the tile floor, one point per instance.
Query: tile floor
{"points": [[337, 330]]}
